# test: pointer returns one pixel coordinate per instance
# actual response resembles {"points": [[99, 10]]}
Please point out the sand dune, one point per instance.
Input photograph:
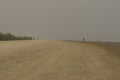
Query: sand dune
{"points": [[57, 60]]}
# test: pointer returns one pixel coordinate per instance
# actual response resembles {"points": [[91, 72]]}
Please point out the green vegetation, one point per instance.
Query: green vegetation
{"points": [[9, 36]]}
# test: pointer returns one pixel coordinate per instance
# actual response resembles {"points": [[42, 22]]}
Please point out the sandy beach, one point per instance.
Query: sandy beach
{"points": [[58, 60]]}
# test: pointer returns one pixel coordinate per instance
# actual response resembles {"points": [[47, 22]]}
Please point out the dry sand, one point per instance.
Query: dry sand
{"points": [[58, 60]]}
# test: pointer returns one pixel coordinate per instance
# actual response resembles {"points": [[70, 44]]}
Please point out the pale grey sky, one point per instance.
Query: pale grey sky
{"points": [[62, 19]]}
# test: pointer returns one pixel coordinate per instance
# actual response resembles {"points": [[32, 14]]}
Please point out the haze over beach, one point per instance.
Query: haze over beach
{"points": [[75, 40], [62, 19]]}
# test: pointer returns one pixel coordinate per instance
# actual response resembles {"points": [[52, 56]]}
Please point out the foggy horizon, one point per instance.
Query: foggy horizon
{"points": [[62, 20]]}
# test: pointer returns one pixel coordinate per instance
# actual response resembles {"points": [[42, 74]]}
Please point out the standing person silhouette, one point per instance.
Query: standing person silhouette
{"points": [[83, 39]]}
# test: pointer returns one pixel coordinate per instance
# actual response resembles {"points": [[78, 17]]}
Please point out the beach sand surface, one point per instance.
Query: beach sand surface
{"points": [[58, 60]]}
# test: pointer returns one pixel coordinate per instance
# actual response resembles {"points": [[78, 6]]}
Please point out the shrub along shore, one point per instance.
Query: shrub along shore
{"points": [[9, 36]]}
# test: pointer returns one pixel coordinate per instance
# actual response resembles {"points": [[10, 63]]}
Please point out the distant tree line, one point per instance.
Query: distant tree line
{"points": [[9, 36]]}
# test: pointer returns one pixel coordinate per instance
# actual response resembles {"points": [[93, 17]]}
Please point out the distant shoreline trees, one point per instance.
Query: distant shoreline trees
{"points": [[9, 36]]}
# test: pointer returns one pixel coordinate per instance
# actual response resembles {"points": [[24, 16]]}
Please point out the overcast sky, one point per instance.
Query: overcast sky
{"points": [[62, 19]]}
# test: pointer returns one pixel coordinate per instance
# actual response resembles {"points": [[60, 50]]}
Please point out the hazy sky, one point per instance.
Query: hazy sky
{"points": [[62, 19]]}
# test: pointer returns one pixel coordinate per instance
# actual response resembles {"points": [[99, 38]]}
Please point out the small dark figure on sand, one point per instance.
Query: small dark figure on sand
{"points": [[83, 39]]}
